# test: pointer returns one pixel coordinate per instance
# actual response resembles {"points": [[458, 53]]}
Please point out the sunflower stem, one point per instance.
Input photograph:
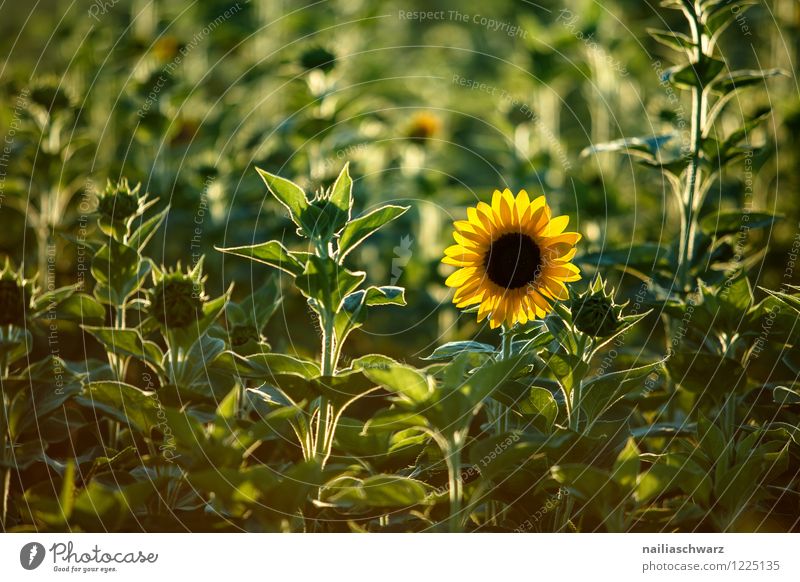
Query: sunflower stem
{"points": [[505, 346], [456, 485], [693, 178]]}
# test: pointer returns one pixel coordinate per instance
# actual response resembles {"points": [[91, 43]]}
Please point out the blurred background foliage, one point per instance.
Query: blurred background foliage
{"points": [[187, 98]]}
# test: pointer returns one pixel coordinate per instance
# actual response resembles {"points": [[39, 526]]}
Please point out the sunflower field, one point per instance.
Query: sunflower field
{"points": [[402, 266]]}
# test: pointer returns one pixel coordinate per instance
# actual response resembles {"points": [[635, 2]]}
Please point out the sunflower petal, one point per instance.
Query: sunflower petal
{"points": [[557, 225], [461, 276]]}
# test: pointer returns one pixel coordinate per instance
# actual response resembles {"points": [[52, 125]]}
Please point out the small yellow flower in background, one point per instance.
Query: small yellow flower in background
{"points": [[514, 259]]}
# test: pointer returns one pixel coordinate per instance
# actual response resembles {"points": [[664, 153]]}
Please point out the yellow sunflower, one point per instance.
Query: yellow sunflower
{"points": [[514, 259]]}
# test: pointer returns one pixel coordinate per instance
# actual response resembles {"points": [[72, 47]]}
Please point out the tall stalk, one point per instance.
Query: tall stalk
{"points": [[691, 196]]}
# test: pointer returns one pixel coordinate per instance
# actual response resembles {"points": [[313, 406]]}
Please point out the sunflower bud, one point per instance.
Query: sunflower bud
{"points": [[177, 299], [242, 334], [116, 205], [594, 311], [118, 202], [50, 94], [318, 58]]}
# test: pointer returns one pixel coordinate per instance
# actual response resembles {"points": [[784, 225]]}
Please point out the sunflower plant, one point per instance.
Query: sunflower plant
{"points": [[333, 294], [692, 166]]}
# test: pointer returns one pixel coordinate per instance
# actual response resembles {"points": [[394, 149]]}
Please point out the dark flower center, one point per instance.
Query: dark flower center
{"points": [[513, 260]]}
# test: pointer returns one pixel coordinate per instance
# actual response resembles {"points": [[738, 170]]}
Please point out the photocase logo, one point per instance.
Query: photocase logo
{"points": [[402, 254], [31, 555]]}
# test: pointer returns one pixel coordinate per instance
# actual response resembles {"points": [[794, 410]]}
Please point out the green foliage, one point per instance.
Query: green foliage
{"points": [[143, 390]]}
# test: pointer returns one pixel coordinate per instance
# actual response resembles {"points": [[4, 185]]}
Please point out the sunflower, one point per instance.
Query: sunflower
{"points": [[514, 259]]}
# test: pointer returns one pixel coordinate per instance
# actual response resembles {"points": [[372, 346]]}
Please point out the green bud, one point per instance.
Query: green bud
{"points": [[318, 58], [177, 299], [594, 311]]}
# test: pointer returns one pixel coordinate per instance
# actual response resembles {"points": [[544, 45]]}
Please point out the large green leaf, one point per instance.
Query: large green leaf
{"points": [[647, 147], [81, 308], [641, 256], [695, 74], [127, 342], [602, 392], [125, 403], [37, 392], [271, 253], [726, 222], [341, 195], [400, 379], [741, 79], [379, 491], [451, 349], [359, 229], [287, 193]]}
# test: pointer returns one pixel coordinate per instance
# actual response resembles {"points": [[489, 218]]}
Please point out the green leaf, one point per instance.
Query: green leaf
{"points": [[42, 389], [342, 191], [327, 282], [345, 387], [602, 392], [711, 439], [627, 465], [271, 365], [353, 313], [129, 405], [588, 483], [380, 491], [127, 342], [386, 295], [51, 299], [695, 74], [735, 298], [705, 373], [542, 403], [15, 342], [719, 16], [81, 308], [142, 235], [287, 193], [642, 256], [659, 480], [450, 350], [259, 307], [568, 370], [725, 222], [664, 429], [359, 229], [647, 147], [785, 395], [393, 420], [672, 39], [741, 79], [271, 253], [398, 378]]}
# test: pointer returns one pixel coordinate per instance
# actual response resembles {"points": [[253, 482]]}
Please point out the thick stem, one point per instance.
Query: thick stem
{"points": [[693, 178], [690, 198], [6, 495], [324, 429], [455, 486], [505, 350], [328, 366]]}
